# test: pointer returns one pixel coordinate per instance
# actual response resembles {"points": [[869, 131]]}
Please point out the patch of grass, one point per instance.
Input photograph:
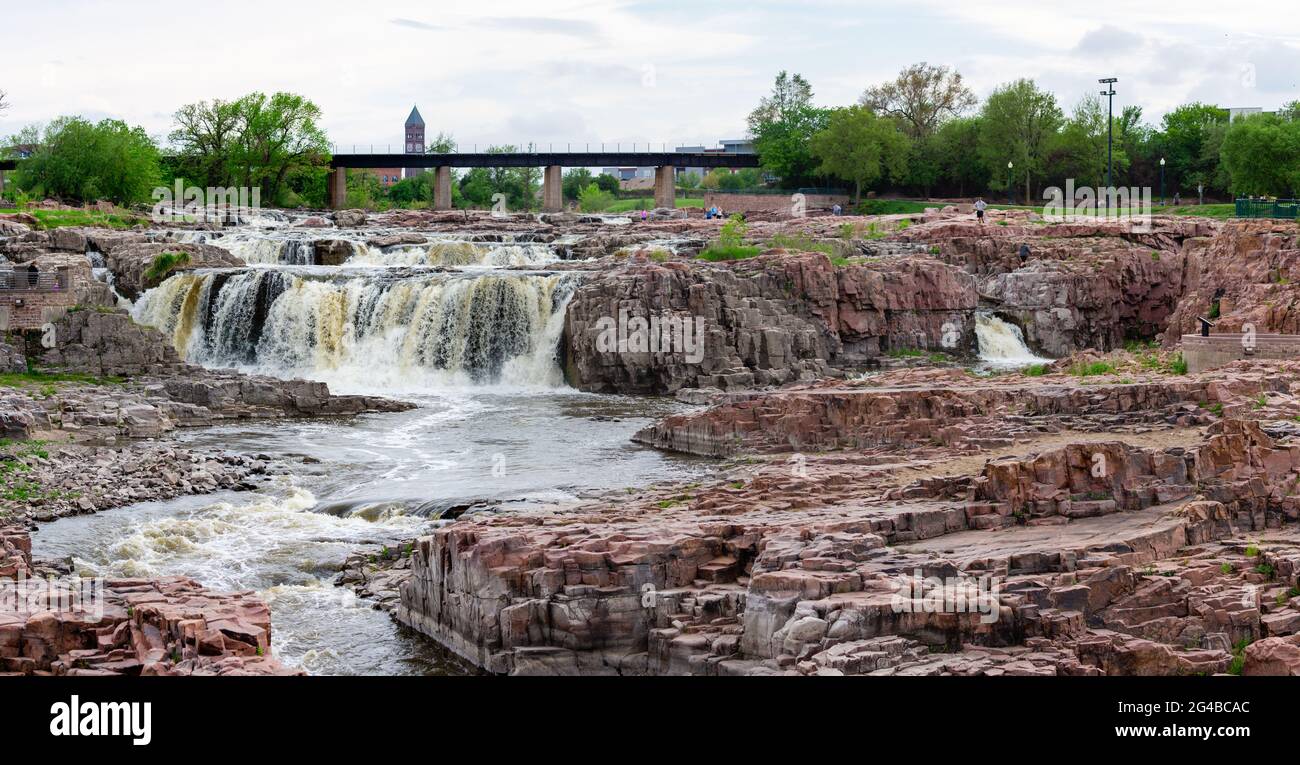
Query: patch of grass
{"points": [[1259, 402], [1092, 369], [893, 206], [1238, 657], [800, 243], [714, 252], [45, 381], [648, 203], [1225, 568], [164, 263], [1217, 409], [1205, 211], [1035, 370], [1266, 569], [1251, 551], [47, 219], [905, 353]]}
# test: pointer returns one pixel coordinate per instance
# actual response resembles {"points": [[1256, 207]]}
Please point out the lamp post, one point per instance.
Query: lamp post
{"points": [[1109, 93], [1010, 197], [1162, 181]]}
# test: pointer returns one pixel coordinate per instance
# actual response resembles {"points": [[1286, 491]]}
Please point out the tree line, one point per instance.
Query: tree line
{"points": [[925, 133]]}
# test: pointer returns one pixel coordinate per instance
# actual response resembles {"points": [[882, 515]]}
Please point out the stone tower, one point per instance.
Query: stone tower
{"points": [[414, 138]]}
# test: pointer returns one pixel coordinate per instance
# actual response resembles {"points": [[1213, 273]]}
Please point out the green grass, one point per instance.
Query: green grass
{"points": [[163, 264], [55, 218], [717, 252], [905, 353], [1036, 370], [800, 243], [1093, 369], [1227, 210], [648, 203], [15, 485], [894, 206], [46, 381]]}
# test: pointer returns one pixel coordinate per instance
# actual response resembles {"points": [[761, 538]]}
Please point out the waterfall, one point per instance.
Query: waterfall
{"points": [[367, 331], [1001, 343]]}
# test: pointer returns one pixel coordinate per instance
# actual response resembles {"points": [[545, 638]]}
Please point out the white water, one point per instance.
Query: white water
{"points": [[1002, 343]]}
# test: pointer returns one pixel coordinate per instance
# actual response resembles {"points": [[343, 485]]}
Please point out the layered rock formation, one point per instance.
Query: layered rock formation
{"points": [[84, 627]]}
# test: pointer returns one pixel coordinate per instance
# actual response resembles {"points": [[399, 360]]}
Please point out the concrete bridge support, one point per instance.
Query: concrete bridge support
{"points": [[336, 188], [553, 189], [666, 187], [442, 188]]}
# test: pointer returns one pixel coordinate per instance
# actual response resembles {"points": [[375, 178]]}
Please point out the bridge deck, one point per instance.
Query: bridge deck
{"points": [[545, 159]]}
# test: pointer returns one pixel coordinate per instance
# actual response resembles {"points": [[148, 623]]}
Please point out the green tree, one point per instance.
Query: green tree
{"points": [[689, 180], [257, 141], [1184, 133], [1018, 124], [957, 146], [921, 97], [77, 161], [1261, 155], [575, 181], [594, 199], [1079, 151], [782, 126], [607, 182], [858, 147]]}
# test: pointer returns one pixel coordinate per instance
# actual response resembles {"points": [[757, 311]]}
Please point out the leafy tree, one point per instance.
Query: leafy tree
{"points": [[689, 180], [1018, 124], [82, 162], [783, 125], [859, 147], [957, 146], [1184, 132], [442, 143], [594, 199], [1080, 148], [4, 104], [1261, 155], [575, 181], [608, 183], [257, 140], [921, 98]]}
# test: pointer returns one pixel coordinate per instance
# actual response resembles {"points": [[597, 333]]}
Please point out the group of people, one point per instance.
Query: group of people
{"points": [[713, 212]]}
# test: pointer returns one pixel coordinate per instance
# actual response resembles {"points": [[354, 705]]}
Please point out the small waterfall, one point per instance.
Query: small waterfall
{"points": [[364, 332], [1001, 343], [455, 253]]}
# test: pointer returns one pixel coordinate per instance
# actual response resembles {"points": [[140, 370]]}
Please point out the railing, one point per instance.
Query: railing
{"points": [[31, 280], [536, 148], [1268, 208]]}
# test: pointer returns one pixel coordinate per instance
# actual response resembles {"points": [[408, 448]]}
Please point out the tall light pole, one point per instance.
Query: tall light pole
{"points": [[1109, 93], [1010, 198], [1162, 181]]}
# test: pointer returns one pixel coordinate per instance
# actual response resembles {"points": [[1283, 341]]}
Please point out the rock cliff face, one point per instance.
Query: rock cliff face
{"points": [[770, 320], [1251, 270]]}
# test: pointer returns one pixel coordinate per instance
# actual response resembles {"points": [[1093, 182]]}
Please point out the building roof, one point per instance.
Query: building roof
{"points": [[415, 118]]}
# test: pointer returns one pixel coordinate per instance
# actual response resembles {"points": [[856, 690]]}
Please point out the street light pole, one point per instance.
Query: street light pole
{"points": [[1010, 198], [1162, 181], [1109, 93]]}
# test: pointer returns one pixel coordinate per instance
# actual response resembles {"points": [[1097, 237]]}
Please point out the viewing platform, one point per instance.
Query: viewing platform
{"points": [[1207, 352]]}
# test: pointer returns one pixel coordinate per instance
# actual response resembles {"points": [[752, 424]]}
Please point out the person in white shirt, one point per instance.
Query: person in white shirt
{"points": [[980, 207]]}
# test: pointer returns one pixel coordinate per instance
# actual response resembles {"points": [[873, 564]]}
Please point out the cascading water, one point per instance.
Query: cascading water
{"points": [[368, 331], [1001, 343]]}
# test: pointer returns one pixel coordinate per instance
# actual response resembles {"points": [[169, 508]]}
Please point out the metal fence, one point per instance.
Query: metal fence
{"points": [[1268, 208], [31, 279]]}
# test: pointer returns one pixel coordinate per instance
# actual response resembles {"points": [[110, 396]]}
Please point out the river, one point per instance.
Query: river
{"points": [[494, 426]]}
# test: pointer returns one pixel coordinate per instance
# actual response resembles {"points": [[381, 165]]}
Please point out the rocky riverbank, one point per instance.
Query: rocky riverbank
{"points": [[914, 536]]}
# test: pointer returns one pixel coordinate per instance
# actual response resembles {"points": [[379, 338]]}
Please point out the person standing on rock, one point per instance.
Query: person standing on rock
{"points": [[980, 207], [1024, 254]]}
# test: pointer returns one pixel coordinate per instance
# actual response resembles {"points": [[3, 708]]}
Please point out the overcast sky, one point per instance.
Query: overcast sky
{"points": [[513, 71]]}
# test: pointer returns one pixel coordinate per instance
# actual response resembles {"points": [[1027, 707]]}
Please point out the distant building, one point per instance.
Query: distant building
{"points": [[386, 175], [1243, 111], [414, 138], [726, 146], [628, 173]]}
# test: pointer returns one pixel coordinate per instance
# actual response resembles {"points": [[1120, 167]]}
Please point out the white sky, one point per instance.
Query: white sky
{"points": [[561, 71]]}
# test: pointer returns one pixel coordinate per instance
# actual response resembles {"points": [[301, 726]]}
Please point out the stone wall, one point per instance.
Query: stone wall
{"points": [[1203, 353], [730, 203]]}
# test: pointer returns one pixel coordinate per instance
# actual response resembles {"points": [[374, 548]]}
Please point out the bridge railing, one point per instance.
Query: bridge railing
{"points": [[537, 148], [32, 280]]}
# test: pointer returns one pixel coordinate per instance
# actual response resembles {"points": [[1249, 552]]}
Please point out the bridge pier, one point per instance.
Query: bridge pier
{"points": [[553, 189], [666, 187], [442, 188], [336, 188]]}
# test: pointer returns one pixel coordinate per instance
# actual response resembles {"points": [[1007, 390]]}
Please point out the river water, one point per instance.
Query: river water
{"points": [[494, 427]]}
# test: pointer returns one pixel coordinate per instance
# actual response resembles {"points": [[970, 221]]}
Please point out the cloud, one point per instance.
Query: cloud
{"points": [[413, 24], [540, 25], [1108, 39]]}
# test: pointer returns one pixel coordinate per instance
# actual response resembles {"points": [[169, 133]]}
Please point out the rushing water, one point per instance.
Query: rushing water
{"points": [[1001, 343], [474, 347]]}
